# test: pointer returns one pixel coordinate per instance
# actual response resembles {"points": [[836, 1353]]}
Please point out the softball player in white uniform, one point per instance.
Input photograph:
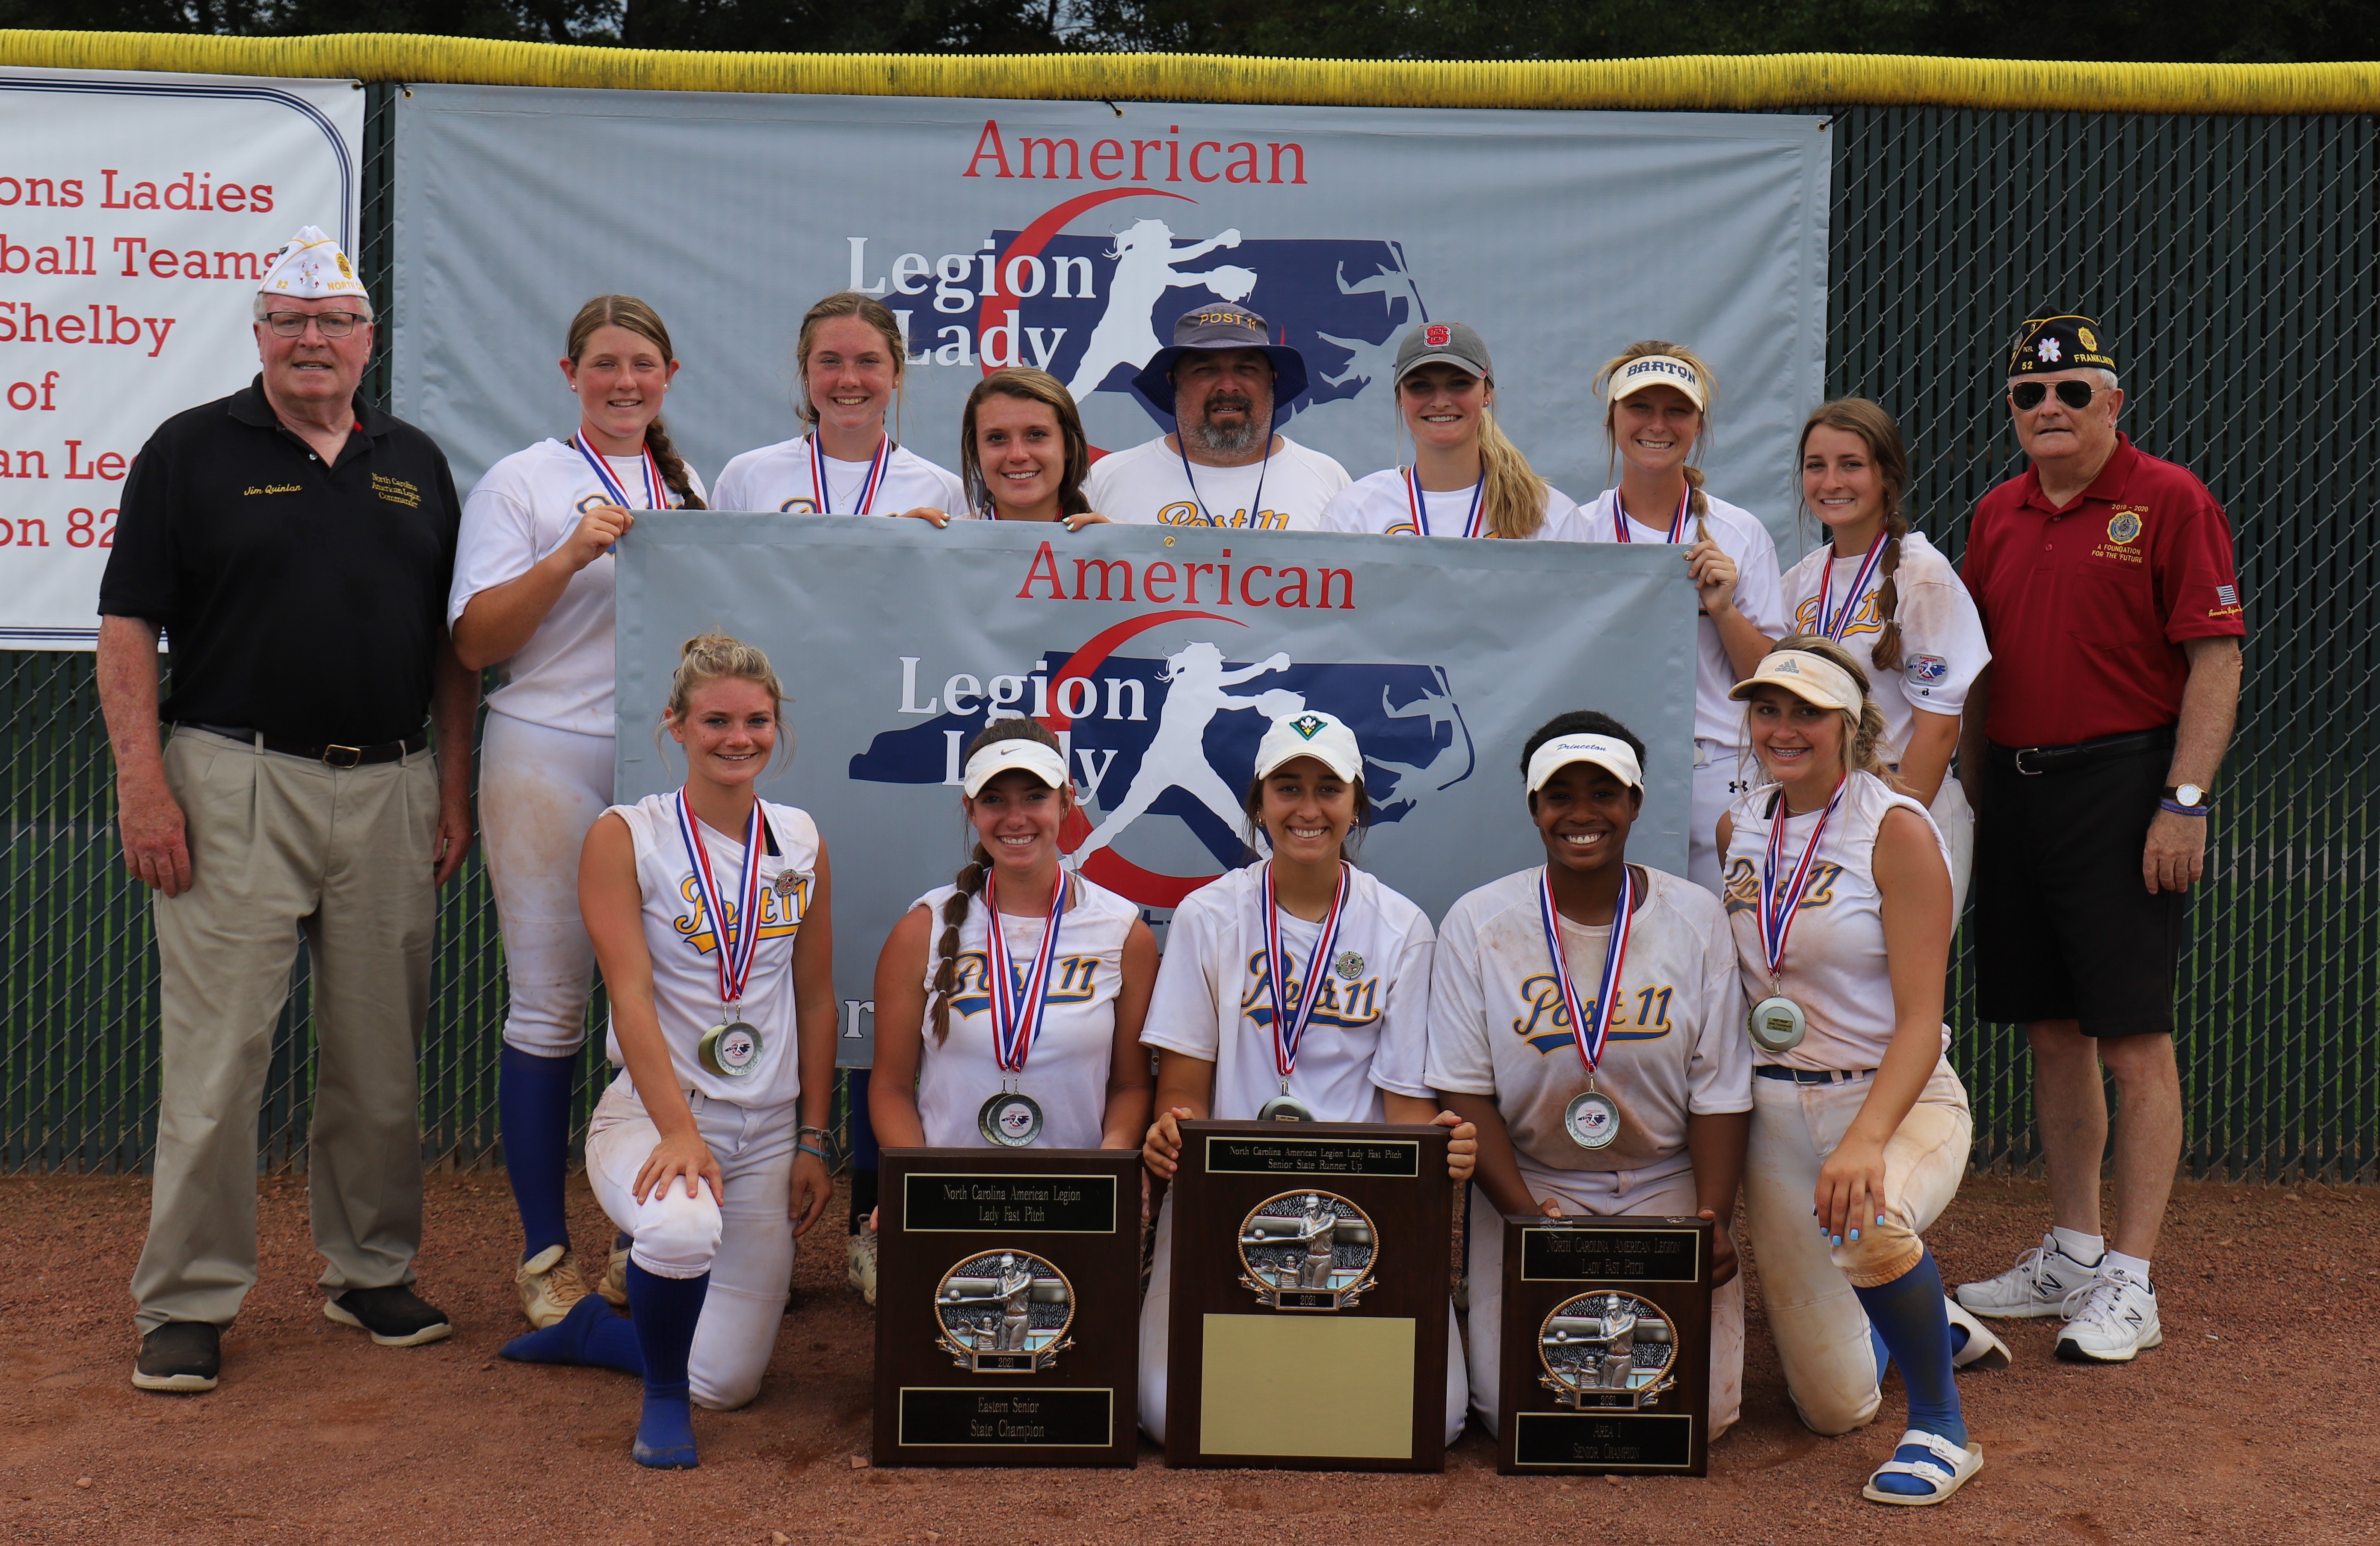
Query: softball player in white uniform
{"points": [[1838, 893], [851, 358], [710, 912], [1294, 989], [1659, 412], [1466, 478], [1879, 589], [532, 595], [1043, 1049], [1611, 1078]]}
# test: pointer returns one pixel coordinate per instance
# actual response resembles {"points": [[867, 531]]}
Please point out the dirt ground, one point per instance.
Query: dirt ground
{"points": [[2258, 1421]]}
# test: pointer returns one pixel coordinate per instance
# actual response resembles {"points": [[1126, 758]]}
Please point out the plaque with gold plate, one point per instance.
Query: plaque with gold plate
{"points": [[1310, 1280], [1606, 1361], [1007, 1299]]}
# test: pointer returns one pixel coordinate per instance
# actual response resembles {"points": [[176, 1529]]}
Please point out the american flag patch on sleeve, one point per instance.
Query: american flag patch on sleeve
{"points": [[2228, 594]]}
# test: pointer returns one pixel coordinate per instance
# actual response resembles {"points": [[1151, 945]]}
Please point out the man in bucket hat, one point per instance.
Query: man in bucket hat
{"points": [[1222, 384]]}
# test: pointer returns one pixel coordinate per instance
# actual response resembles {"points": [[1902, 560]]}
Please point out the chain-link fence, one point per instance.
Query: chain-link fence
{"points": [[2234, 261]]}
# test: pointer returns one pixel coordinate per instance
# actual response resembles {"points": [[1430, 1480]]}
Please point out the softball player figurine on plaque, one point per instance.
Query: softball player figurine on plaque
{"points": [[1307, 1251]]}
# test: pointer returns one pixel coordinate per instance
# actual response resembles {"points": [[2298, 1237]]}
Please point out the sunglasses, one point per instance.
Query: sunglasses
{"points": [[2028, 395]]}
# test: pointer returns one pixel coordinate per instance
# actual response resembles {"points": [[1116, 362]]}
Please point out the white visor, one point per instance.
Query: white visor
{"points": [[1603, 751], [1032, 757], [1323, 737]]}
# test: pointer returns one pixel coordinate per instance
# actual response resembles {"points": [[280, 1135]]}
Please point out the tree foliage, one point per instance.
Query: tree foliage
{"points": [[2182, 30]]}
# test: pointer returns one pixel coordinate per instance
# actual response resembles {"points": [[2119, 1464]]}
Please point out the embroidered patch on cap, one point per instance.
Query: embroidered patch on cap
{"points": [[1438, 335], [1308, 725]]}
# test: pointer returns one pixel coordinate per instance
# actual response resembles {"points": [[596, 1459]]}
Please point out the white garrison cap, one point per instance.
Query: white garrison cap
{"points": [[309, 266]]}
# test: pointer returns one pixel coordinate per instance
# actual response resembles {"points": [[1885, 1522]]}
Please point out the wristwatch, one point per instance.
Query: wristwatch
{"points": [[2185, 800]]}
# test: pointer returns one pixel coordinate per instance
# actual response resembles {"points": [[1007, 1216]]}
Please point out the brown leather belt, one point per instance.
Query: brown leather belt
{"points": [[330, 753]]}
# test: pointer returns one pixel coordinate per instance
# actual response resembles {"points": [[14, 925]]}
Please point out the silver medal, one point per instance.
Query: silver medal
{"points": [[1284, 1108], [1776, 1024], [1010, 1118], [731, 1050], [1591, 1119]]}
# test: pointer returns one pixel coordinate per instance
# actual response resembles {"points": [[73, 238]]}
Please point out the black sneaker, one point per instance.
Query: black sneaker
{"points": [[180, 1355], [395, 1315]]}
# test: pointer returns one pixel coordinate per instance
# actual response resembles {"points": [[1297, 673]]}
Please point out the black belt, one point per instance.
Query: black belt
{"points": [[330, 753], [1809, 1076], [2055, 759]]}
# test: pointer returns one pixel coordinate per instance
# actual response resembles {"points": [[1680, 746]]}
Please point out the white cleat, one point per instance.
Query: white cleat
{"points": [[860, 1261], [1982, 1349], [2036, 1285], [2109, 1320]]}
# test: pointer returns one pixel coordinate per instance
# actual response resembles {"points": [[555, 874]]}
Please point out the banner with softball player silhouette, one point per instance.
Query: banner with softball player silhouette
{"points": [[1069, 236], [1158, 656]]}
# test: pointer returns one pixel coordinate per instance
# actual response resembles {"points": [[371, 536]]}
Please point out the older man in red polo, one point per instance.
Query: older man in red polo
{"points": [[2106, 581]]}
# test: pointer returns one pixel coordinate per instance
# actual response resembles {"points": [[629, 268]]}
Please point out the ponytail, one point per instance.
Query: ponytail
{"points": [[1698, 503], [971, 878], [675, 471], [1514, 503]]}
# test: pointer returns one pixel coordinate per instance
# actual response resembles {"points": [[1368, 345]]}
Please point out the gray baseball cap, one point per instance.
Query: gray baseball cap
{"points": [[1455, 343]]}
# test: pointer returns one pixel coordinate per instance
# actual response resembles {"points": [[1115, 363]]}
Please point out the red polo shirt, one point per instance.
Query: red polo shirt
{"points": [[2086, 607]]}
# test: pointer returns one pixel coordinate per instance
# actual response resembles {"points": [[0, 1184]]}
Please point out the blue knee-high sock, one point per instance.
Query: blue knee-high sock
{"points": [[591, 1334], [664, 1310], [533, 1106], [865, 1155], [1908, 1315]]}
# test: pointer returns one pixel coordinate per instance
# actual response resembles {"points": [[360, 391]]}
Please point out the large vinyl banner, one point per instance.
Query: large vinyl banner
{"points": [[137, 212], [1158, 656], [1070, 234]]}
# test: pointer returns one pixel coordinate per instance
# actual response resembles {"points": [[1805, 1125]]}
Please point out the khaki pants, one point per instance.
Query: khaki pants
{"points": [[281, 845], [1805, 1284]]}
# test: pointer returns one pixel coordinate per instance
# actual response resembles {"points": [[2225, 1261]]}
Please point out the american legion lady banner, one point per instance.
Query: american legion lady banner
{"points": [[1069, 237], [1159, 657]]}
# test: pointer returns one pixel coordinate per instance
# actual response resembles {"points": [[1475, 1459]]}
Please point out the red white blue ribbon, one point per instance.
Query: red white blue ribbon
{"points": [[656, 492], [1289, 1025], [735, 931], [867, 486], [1420, 504], [1018, 1007], [1778, 902], [1831, 623], [1589, 1031], [1677, 522]]}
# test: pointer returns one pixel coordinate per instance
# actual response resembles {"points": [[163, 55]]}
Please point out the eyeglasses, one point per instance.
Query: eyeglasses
{"points": [[2028, 395], [292, 325]]}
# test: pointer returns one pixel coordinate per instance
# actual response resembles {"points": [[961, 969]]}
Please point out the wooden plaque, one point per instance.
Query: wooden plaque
{"points": [[1008, 1308], [1310, 1280], [1607, 1345]]}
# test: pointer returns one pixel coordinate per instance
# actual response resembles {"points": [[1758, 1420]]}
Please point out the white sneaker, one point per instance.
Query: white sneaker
{"points": [[2037, 1285], [860, 1257], [2109, 1319], [1982, 1349]]}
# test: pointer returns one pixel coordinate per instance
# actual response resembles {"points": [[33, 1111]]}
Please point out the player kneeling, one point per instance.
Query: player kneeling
{"points": [[1585, 1014], [708, 911]]}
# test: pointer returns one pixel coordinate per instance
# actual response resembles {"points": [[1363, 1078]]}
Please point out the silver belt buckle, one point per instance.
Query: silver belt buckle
{"points": [[2022, 752]]}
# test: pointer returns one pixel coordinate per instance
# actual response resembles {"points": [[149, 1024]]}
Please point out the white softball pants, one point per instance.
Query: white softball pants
{"points": [[1599, 1194], [1156, 1337], [540, 789], [1721, 773], [745, 1242], [1806, 1285]]}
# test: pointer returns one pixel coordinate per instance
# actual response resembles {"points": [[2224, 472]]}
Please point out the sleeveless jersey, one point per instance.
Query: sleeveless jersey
{"points": [[1834, 957], [684, 943], [1066, 1071], [1498, 1026], [1370, 1026]]}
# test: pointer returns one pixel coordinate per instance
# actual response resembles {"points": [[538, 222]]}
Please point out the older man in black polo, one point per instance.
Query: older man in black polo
{"points": [[294, 546], [2106, 585]]}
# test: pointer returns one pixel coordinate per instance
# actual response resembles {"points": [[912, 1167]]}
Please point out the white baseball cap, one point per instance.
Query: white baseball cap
{"points": [[1813, 677], [1605, 752], [1324, 737], [1032, 757], [1652, 370]]}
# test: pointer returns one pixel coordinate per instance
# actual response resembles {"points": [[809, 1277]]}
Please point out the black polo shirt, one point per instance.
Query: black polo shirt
{"points": [[301, 600]]}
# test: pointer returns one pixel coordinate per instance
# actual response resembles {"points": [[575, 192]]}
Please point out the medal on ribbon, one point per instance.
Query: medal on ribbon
{"points": [[1289, 1023], [656, 492], [1677, 522], [1012, 1118], [1832, 622], [1419, 503], [1592, 1117], [867, 485], [732, 1048], [1777, 1023]]}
